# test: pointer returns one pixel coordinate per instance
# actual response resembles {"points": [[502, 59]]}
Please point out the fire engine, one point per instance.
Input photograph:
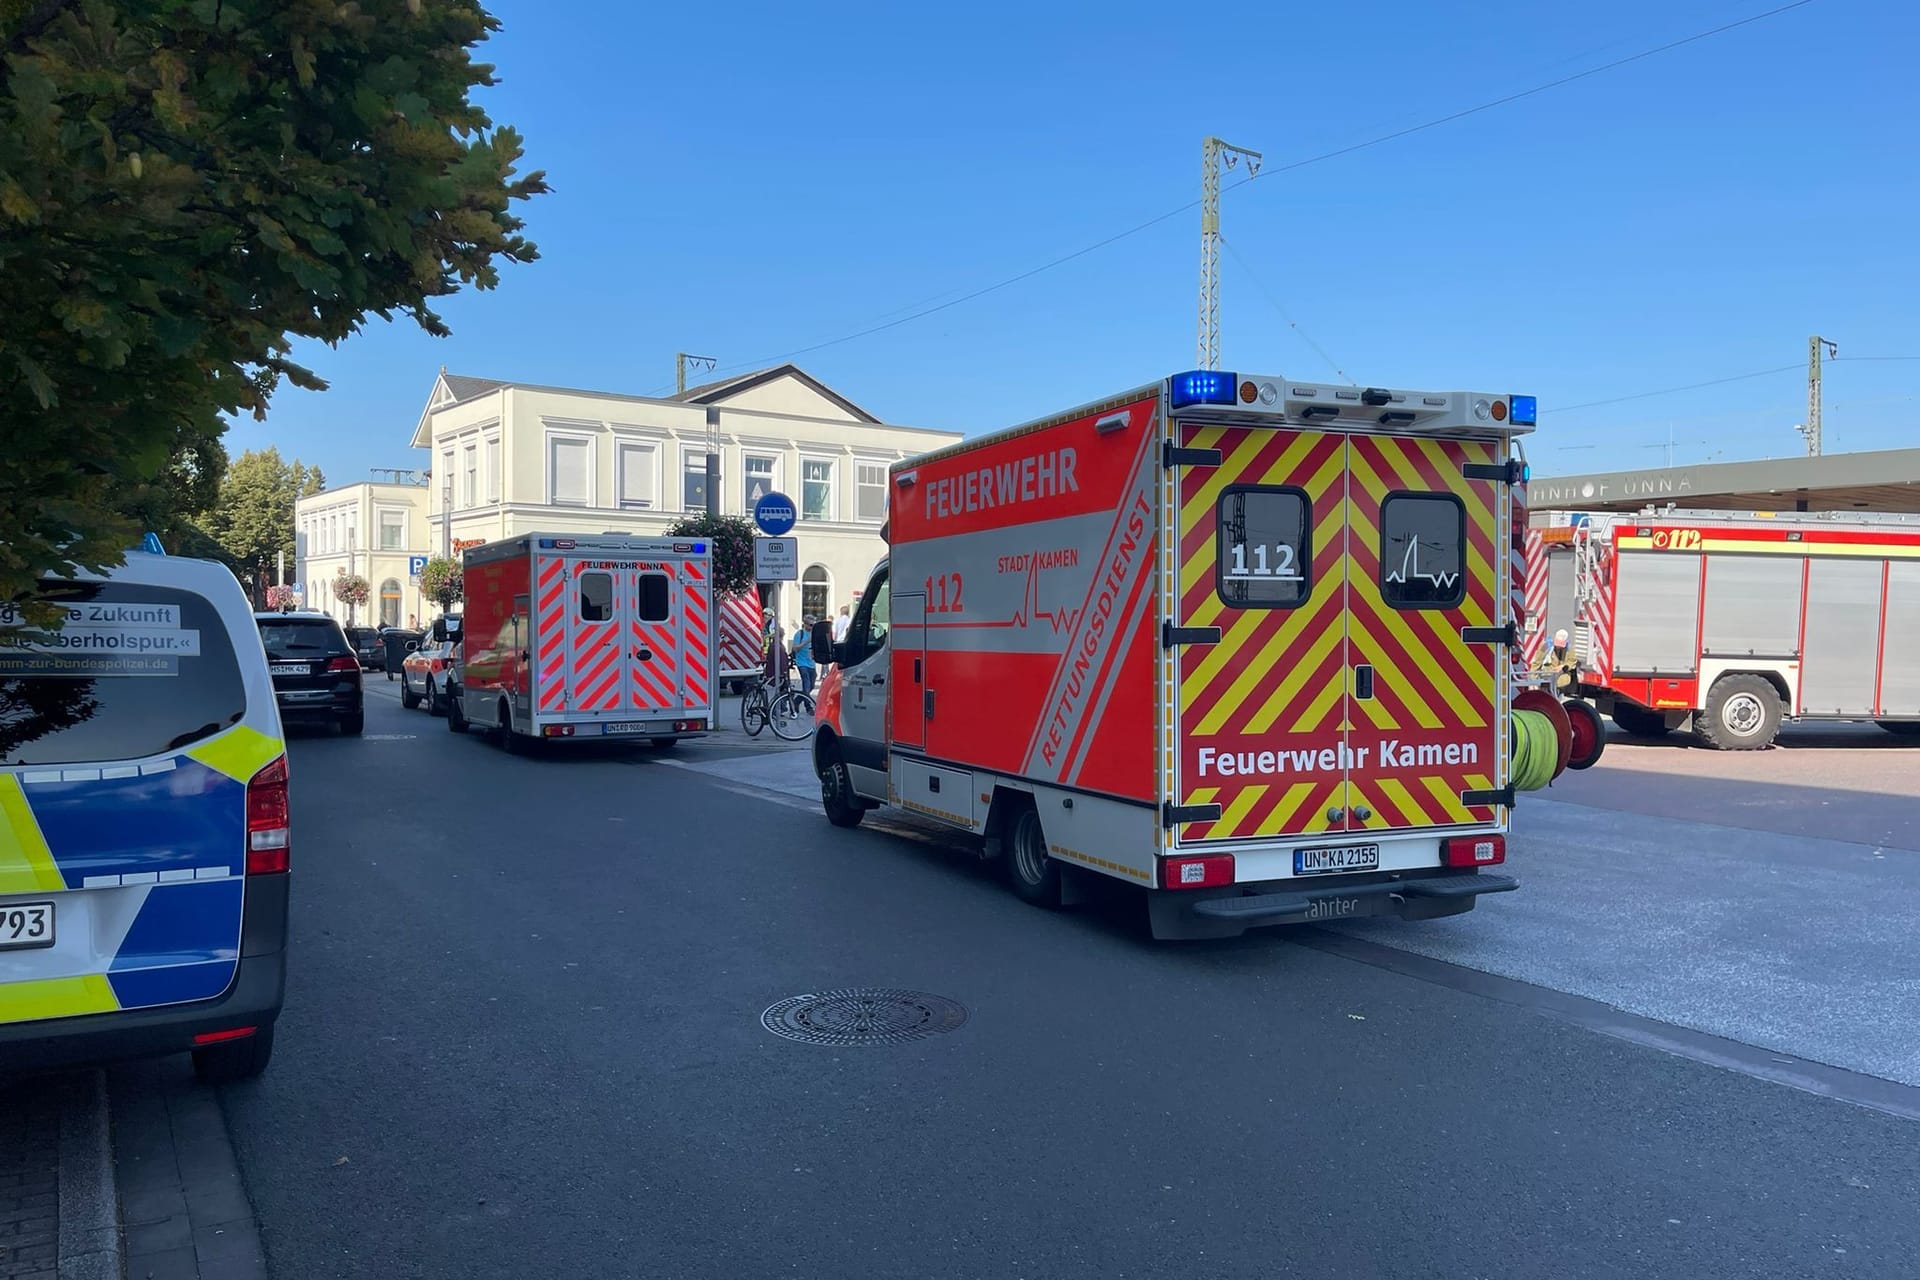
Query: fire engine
{"points": [[587, 636], [742, 628], [1242, 641], [1733, 622]]}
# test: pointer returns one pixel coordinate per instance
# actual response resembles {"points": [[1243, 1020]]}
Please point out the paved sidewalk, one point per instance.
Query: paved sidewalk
{"points": [[58, 1213]]}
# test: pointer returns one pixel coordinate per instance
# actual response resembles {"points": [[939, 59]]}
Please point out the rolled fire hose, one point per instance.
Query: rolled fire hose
{"points": [[1535, 750]]}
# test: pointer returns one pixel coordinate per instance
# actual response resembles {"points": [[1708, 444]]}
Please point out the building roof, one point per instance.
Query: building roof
{"points": [[463, 387], [1882, 480], [714, 392]]}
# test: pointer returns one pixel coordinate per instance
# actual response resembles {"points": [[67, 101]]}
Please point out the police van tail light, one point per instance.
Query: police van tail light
{"points": [[1196, 873], [269, 824], [1474, 851]]}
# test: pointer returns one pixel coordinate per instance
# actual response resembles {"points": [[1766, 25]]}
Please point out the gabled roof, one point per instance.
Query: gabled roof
{"points": [[715, 392], [464, 388]]}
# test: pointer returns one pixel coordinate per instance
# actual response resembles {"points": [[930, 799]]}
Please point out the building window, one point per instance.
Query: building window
{"points": [[761, 472], [816, 591], [390, 603], [1421, 541], [569, 475], [445, 480], [816, 489], [872, 497], [471, 492], [636, 477], [693, 488], [393, 530], [493, 469]]}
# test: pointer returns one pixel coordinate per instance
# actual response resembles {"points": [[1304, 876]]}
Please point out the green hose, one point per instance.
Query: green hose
{"points": [[1536, 750]]}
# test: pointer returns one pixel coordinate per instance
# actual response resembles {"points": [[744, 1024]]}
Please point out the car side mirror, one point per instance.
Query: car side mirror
{"points": [[843, 655]]}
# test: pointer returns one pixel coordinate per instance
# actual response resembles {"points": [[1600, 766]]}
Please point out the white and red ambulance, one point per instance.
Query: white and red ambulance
{"points": [[570, 636], [1243, 641]]}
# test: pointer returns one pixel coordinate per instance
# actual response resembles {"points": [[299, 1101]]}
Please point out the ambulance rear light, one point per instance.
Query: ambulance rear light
{"points": [[1201, 386], [269, 824], [689, 726], [1473, 851], [556, 731], [1197, 873]]}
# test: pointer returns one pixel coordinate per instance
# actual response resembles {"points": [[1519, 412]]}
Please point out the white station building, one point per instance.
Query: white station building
{"points": [[378, 531]]}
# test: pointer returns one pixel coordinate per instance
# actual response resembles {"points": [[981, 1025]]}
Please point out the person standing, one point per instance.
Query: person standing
{"points": [[840, 625], [802, 649]]}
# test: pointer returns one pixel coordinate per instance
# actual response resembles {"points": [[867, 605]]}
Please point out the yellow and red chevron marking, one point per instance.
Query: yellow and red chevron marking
{"points": [[1275, 680], [550, 625], [1430, 686], [695, 658]]}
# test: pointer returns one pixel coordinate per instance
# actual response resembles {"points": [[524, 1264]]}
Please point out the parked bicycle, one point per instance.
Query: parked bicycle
{"points": [[785, 709]]}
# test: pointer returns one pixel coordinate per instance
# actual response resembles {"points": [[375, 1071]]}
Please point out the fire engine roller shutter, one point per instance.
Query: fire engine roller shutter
{"points": [[1837, 670]]}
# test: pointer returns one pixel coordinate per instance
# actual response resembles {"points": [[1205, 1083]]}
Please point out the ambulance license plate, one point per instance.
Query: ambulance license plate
{"points": [[1346, 857], [625, 726], [26, 925]]}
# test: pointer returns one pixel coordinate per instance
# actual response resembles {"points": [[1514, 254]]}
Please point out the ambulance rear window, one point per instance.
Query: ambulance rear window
{"points": [[134, 671], [655, 599], [1422, 541], [1264, 559], [596, 597]]}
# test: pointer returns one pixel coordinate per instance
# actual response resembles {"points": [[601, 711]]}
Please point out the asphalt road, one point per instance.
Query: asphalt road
{"points": [[523, 1038]]}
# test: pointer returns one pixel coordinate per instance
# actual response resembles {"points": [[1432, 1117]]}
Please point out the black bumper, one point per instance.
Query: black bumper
{"points": [[1220, 914], [254, 1000]]}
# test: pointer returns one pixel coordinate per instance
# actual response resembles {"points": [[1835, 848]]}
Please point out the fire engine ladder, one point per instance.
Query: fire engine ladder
{"points": [[1587, 589]]}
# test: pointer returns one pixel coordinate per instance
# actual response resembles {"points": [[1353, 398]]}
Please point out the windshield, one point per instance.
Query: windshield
{"points": [[133, 672]]}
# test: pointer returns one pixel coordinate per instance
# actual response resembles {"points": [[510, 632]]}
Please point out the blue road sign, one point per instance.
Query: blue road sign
{"points": [[774, 514], [416, 565]]}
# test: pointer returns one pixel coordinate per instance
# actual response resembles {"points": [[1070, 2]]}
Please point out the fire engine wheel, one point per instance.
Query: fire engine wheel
{"points": [[842, 806], [1589, 735], [1639, 721], [1742, 714], [408, 698], [1032, 874]]}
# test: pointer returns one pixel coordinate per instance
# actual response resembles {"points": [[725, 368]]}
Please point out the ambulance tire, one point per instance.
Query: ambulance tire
{"points": [[666, 744], [1742, 714], [843, 808], [1031, 871], [511, 740], [235, 1059]]}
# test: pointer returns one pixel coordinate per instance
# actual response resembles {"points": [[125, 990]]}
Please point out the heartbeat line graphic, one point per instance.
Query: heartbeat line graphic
{"points": [[1410, 568], [1029, 614]]}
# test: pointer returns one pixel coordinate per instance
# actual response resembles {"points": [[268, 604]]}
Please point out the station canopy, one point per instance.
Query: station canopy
{"points": [[1883, 480]]}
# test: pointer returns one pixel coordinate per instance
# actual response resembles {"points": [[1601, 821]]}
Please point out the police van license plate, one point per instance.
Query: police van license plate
{"points": [[25, 925], [1346, 857]]}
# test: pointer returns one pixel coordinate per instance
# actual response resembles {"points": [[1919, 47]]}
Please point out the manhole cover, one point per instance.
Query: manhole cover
{"points": [[863, 1015]]}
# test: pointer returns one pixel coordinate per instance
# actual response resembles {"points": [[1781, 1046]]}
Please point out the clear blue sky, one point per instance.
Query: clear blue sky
{"points": [[746, 179]]}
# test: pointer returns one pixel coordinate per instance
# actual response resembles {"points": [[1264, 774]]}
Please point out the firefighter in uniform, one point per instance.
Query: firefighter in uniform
{"points": [[1559, 658]]}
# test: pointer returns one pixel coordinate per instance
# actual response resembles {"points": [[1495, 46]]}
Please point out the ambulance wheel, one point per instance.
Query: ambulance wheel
{"points": [[1030, 871], [231, 1060], [1639, 721], [842, 806], [408, 698], [456, 714], [1742, 714], [666, 744], [1589, 734], [510, 741]]}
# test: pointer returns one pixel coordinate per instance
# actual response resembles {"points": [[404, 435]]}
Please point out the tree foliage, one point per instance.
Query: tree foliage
{"points": [[732, 538], [251, 521], [187, 186], [443, 581]]}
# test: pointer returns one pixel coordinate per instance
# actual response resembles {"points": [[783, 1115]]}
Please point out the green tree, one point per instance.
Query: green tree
{"points": [[732, 538], [443, 581], [188, 186]]}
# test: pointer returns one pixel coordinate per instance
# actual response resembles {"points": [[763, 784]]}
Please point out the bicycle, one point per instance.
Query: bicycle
{"points": [[786, 710]]}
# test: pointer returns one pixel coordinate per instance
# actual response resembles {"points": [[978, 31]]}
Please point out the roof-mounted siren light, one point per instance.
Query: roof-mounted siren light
{"points": [[1201, 386], [1523, 411]]}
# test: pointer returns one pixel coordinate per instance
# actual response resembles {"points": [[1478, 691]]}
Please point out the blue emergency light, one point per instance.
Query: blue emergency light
{"points": [[699, 548], [1201, 386], [150, 545], [1523, 411]]}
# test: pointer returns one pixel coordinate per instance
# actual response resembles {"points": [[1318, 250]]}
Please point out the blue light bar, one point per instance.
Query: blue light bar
{"points": [[699, 548], [150, 545], [1523, 411], [1201, 386]]}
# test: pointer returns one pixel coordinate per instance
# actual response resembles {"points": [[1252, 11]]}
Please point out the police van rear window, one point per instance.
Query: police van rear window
{"points": [[132, 671]]}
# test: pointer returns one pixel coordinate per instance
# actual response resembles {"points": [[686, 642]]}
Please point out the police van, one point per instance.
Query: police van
{"points": [[144, 825]]}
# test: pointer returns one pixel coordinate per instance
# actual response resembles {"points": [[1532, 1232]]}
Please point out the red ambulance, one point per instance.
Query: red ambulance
{"points": [[569, 636], [1242, 641]]}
